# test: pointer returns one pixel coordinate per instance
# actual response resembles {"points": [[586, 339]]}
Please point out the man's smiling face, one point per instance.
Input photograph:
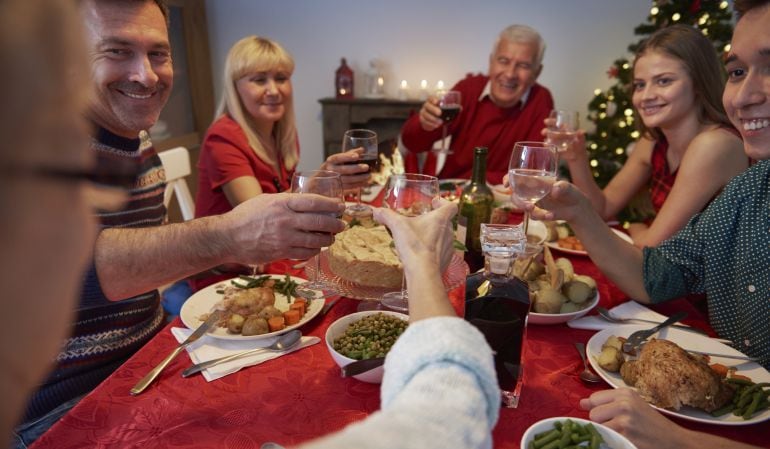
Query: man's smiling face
{"points": [[747, 92], [130, 64], [513, 69]]}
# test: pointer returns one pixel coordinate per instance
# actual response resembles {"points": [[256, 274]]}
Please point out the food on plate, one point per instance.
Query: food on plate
{"points": [[249, 306], [748, 400], [500, 215], [570, 433], [667, 376], [369, 337], [561, 233], [366, 256], [554, 285], [611, 357]]}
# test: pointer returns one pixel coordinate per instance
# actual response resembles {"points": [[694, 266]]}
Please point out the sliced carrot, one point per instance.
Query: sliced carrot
{"points": [[300, 307], [276, 323], [719, 369], [300, 300], [741, 376], [291, 316]]}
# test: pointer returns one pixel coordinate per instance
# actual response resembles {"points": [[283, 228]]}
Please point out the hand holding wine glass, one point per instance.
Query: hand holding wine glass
{"points": [[562, 128], [410, 195], [366, 139], [450, 104], [531, 173], [325, 183]]}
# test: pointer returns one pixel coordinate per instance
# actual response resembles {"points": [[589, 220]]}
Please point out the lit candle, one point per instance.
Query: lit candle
{"points": [[403, 90], [424, 84], [440, 85], [424, 90], [380, 81]]}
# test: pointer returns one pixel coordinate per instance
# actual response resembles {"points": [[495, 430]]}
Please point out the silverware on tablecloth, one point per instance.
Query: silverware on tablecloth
{"points": [[199, 332], [637, 338], [284, 342], [362, 366], [607, 315]]}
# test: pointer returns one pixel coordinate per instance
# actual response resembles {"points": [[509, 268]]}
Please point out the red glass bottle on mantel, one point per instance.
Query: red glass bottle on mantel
{"points": [[343, 81]]}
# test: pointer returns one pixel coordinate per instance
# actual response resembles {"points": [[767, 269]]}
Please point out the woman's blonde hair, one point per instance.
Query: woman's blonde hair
{"points": [[258, 54], [702, 64]]}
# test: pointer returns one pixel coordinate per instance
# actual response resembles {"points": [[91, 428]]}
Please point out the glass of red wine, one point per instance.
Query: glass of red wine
{"points": [[411, 195], [366, 139], [450, 103], [326, 183]]}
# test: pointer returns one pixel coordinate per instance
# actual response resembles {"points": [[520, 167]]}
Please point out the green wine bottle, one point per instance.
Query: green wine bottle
{"points": [[476, 202]]}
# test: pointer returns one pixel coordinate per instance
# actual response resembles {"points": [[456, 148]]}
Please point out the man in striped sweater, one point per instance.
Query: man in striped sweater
{"points": [[134, 253]]}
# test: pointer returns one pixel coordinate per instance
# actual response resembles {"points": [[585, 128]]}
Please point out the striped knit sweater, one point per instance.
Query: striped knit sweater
{"points": [[106, 333]]}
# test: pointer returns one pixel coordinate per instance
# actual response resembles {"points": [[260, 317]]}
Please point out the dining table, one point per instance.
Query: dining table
{"points": [[302, 395]]}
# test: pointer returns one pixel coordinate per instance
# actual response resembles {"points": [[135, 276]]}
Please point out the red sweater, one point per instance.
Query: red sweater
{"points": [[482, 123], [226, 155]]}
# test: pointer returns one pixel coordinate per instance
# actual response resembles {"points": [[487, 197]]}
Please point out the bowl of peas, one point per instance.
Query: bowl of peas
{"points": [[572, 432], [365, 335]]}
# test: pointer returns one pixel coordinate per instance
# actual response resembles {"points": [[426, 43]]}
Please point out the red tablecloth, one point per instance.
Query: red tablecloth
{"points": [[302, 396]]}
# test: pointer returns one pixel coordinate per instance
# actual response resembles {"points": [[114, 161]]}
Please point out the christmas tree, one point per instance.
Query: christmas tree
{"points": [[612, 111]]}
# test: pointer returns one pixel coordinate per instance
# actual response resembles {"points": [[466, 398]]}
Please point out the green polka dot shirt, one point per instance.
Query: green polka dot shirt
{"points": [[724, 252]]}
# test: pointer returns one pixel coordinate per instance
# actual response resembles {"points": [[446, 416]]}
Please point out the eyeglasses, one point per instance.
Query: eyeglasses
{"points": [[105, 190]]}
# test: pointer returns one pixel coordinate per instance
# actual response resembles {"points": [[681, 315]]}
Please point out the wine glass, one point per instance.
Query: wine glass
{"points": [[326, 183], [449, 102], [366, 139], [411, 195], [531, 173], [564, 129]]}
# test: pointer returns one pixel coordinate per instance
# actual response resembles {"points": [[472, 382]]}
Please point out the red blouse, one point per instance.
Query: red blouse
{"points": [[225, 156]]}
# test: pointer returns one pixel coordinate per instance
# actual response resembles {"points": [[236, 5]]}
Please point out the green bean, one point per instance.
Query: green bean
{"points": [[723, 410], [543, 434], [753, 406], [739, 381], [552, 436]]}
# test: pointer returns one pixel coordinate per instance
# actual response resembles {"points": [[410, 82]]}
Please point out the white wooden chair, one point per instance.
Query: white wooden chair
{"points": [[176, 163]]}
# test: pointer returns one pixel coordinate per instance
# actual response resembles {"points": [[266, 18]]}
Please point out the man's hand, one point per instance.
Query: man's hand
{"points": [[430, 115], [282, 226], [354, 175]]}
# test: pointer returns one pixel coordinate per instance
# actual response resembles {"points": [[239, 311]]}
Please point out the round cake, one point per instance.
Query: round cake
{"points": [[366, 256]]}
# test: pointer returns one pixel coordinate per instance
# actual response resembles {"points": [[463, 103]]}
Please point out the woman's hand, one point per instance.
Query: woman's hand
{"points": [[423, 239], [353, 175]]}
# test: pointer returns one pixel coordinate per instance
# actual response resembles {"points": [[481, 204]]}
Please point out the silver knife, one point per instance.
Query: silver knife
{"points": [[362, 366], [199, 332]]}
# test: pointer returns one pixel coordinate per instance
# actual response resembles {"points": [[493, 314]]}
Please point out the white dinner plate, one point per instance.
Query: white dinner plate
{"points": [[686, 340], [202, 302], [538, 228]]}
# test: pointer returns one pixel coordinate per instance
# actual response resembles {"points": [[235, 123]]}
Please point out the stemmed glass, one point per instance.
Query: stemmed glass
{"points": [[410, 195], [563, 131], [366, 139], [449, 102], [326, 183], [531, 173]]}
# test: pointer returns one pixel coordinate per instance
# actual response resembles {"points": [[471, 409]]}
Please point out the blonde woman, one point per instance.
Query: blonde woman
{"points": [[252, 148]]}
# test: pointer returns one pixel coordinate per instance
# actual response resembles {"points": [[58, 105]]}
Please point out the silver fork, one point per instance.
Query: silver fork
{"points": [[637, 338]]}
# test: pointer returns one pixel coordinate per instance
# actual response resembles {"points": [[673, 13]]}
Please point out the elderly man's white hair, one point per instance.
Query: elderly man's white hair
{"points": [[522, 34]]}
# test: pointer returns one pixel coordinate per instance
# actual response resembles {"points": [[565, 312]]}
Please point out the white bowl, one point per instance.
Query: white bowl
{"points": [[558, 318], [337, 329], [611, 438]]}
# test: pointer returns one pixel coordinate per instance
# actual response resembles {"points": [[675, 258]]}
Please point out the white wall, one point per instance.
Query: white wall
{"points": [[433, 39]]}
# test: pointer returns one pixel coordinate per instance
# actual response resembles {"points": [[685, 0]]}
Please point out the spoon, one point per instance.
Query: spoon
{"points": [[586, 375], [284, 342]]}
